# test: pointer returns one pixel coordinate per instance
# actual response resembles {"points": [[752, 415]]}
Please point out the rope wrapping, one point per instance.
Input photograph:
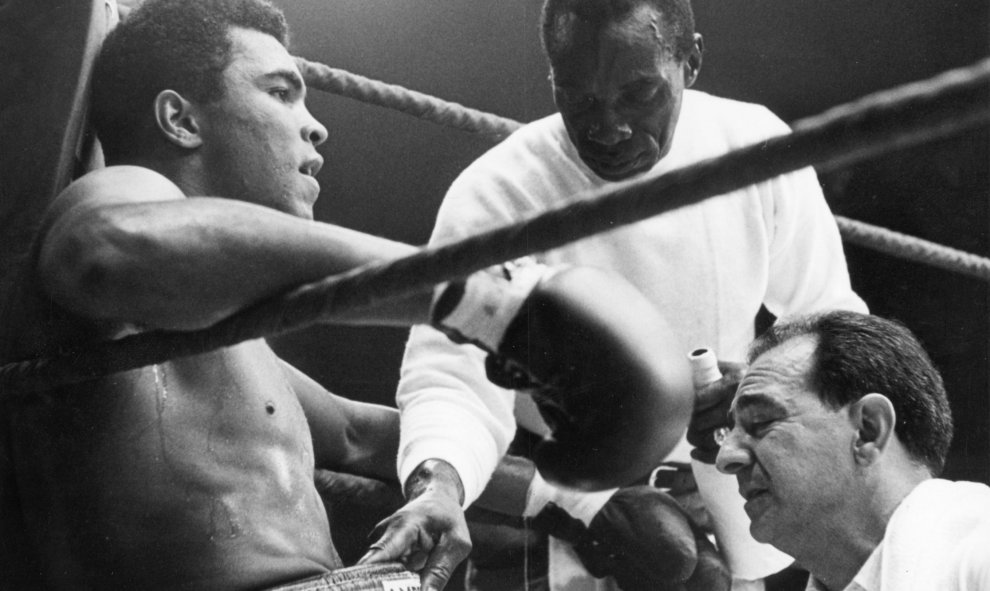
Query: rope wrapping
{"points": [[913, 249], [417, 104], [878, 123]]}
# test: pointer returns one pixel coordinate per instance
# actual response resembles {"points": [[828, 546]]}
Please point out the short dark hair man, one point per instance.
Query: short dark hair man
{"points": [[841, 426]]}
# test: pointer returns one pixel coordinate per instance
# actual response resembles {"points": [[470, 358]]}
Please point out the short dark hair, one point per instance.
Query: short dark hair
{"points": [[677, 15], [857, 354], [181, 45]]}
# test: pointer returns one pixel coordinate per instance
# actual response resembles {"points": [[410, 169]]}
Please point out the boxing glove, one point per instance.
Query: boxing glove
{"points": [[602, 365], [644, 540]]}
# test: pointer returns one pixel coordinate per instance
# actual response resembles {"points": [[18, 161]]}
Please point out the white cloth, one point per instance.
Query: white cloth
{"points": [[707, 267], [579, 505], [937, 538]]}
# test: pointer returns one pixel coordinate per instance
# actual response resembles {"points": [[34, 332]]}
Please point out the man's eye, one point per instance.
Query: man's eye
{"points": [[641, 95], [575, 100], [758, 428], [281, 94]]}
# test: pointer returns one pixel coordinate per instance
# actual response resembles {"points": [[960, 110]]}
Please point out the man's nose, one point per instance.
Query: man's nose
{"points": [[609, 129], [732, 455], [313, 131]]}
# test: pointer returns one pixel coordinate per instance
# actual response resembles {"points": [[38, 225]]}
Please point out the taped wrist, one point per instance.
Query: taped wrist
{"points": [[480, 308]]}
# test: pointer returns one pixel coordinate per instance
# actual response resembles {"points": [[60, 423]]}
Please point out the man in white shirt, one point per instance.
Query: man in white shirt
{"points": [[621, 73], [841, 425]]}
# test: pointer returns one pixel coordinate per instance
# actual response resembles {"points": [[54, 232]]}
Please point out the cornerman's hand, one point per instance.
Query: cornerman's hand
{"points": [[429, 533], [711, 411]]}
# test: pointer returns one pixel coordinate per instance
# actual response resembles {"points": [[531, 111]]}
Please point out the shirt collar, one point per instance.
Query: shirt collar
{"points": [[867, 579]]}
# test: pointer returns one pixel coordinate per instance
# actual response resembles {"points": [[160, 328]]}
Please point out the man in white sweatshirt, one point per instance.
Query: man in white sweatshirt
{"points": [[621, 72], [841, 425]]}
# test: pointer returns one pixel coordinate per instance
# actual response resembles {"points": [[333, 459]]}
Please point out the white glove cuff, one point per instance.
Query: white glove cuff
{"points": [[578, 504], [490, 303]]}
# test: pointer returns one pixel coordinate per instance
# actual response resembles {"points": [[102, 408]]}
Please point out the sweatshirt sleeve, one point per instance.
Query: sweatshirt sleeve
{"points": [[448, 408], [450, 411], [808, 269]]}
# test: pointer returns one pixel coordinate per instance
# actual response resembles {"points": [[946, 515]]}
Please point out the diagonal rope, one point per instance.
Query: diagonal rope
{"points": [[455, 116], [909, 115]]}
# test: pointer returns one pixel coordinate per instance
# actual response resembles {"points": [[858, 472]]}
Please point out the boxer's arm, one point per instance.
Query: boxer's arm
{"points": [[124, 244], [348, 436]]}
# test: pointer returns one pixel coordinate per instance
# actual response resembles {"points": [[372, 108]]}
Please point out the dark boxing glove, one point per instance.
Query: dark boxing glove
{"points": [[602, 365], [643, 539]]}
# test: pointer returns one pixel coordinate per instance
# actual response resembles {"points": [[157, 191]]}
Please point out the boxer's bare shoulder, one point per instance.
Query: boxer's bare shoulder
{"points": [[204, 463]]}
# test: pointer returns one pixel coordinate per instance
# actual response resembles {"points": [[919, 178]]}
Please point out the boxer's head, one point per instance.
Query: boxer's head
{"points": [[206, 92], [619, 69]]}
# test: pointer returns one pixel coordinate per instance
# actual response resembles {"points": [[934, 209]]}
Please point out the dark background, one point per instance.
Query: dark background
{"points": [[386, 172]]}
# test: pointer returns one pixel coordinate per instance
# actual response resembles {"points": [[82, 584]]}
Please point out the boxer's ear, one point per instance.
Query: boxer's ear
{"points": [[874, 418], [176, 119]]}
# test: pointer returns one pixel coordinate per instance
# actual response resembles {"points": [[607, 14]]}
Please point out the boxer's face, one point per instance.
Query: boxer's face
{"points": [[790, 453], [619, 90], [259, 139]]}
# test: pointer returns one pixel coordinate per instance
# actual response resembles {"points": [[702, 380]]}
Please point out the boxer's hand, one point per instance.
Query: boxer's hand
{"points": [[601, 363], [429, 533], [711, 411], [643, 539]]}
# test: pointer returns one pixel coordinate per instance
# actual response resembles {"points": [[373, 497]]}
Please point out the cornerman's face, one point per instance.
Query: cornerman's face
{"points": [[259, 138], [790, 453], [619, 91]]}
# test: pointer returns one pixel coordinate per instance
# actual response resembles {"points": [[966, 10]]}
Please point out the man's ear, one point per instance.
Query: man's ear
{"points": [[874, 418], [176, 119], [692, 64]]}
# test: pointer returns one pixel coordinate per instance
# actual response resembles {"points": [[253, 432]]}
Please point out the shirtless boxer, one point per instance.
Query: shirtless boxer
{"points": [[197, 473]]}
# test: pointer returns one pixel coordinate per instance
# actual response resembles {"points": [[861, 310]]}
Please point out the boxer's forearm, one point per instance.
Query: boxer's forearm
{"points": [[348, 435]]}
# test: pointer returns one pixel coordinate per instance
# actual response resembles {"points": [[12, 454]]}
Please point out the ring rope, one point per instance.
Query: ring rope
{"points": [[947, 104], [455, 116], [392, 96], [913, 249]]}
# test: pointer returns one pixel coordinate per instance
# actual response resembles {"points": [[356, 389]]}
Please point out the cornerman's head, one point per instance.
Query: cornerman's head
{"points": [[835, 411], [619, 69]]}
